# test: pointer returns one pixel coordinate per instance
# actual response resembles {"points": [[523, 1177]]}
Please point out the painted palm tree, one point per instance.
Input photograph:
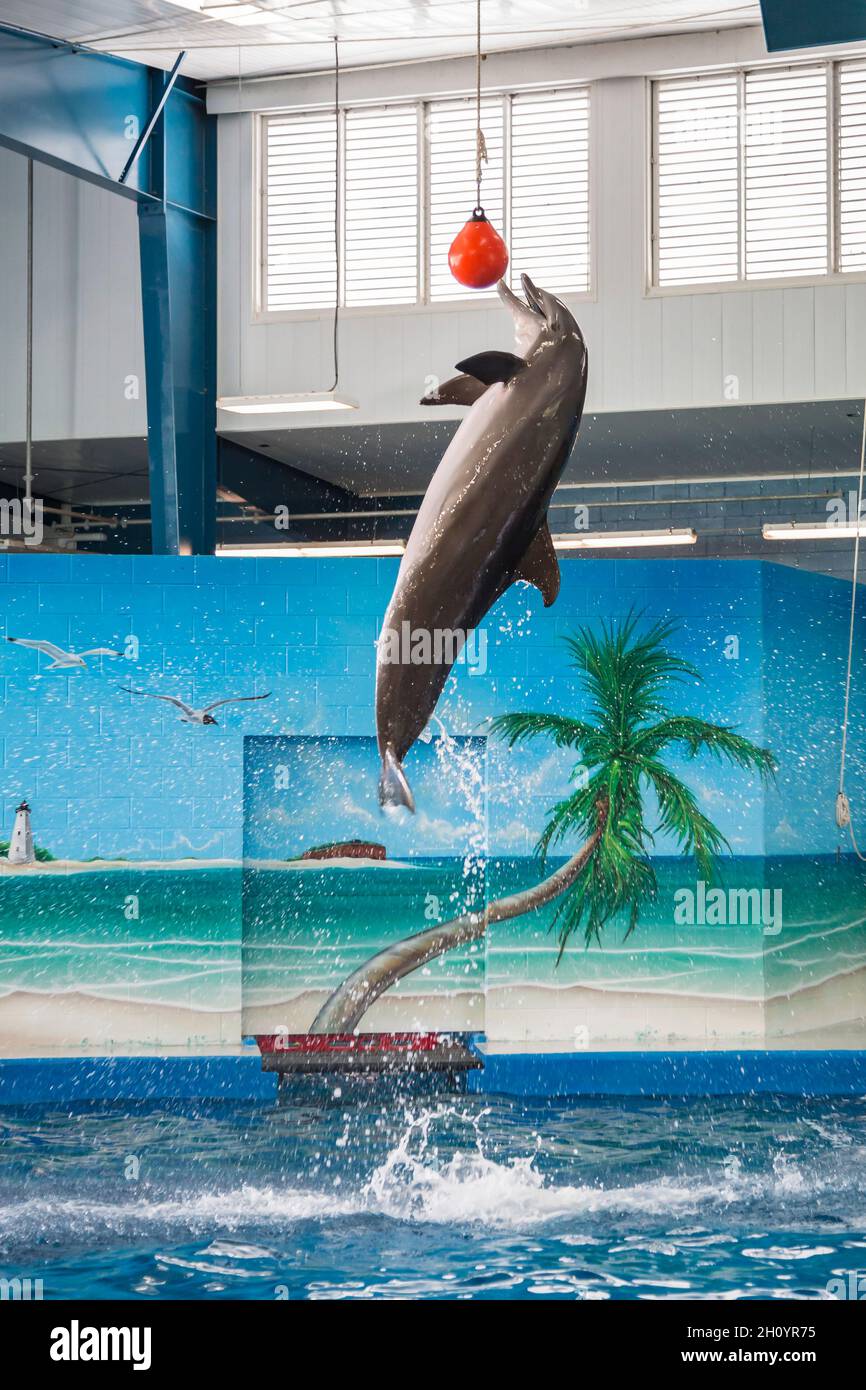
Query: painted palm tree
{"points": [[628, 671]]}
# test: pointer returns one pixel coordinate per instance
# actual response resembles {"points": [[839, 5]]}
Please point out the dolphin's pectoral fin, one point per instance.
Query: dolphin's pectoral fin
{"points": [[460, 390], [492, 366], [540, 566]]}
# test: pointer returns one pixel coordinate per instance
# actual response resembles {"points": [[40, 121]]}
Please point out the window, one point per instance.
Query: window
{"points": [[760, 175], [451, 156], [300, 192], [786, 195], [401, 186], [549, 232], [697, 181], [852, 166], [381, 206]]}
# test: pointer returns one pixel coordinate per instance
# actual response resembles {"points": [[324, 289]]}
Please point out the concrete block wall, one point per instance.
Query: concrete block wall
{"points": [[112, 774]]}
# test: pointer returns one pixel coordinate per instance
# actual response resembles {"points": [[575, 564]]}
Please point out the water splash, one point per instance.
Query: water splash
{"points": [[417, 1183], [464, 771]]}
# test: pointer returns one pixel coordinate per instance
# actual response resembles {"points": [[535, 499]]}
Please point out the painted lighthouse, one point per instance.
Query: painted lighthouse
{"points": [[21, 845]]}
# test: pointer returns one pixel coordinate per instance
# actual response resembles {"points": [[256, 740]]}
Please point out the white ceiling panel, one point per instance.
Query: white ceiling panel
{"points": [[225, 37]]}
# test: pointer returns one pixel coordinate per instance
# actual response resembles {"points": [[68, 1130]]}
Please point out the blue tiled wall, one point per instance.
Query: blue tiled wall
{"points": [[110, 774]]}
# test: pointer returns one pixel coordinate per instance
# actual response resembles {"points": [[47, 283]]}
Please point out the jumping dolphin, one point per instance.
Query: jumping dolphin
{"points": [[483, 522]]}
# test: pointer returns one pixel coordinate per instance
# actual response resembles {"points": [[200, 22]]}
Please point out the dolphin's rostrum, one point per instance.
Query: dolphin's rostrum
{"points": [[483, 522]]}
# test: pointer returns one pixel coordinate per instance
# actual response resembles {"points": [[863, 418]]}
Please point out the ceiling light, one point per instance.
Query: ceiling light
{"points": [[620, 540], [282, 405], [258, 17], [237, 14], [316, 550], [812, 530]]}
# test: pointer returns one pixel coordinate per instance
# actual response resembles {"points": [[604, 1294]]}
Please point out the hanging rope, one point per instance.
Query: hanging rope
{"points": [[240, 184], [28, 397], [337, 261], [843, 807], [480, 142]]}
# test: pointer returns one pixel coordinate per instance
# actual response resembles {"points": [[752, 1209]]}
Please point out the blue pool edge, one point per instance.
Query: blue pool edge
{"points": [[62, 1080], [839, 1072]]}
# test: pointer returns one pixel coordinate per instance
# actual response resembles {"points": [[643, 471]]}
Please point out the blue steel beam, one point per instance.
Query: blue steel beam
{"points": [[75, 109], [178, 286], [78, 111], [155, 115], [159, 379], [807, 24]]}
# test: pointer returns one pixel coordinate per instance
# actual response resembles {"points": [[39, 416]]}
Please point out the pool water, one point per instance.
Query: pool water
{"points": [[445, 1198]]}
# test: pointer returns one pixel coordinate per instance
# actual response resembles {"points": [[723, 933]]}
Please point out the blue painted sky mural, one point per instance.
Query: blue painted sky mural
{"points": [[305, 792], [110, 774]]}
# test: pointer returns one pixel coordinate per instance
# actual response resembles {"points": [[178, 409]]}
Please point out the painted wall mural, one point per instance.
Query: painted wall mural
{"points": [[133, 925], [357, 881]]}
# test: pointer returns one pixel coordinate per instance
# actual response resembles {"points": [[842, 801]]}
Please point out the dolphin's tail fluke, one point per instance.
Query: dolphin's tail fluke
{"points": [[394, 790]]}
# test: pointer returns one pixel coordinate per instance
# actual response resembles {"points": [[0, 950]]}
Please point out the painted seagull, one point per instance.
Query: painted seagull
{"points": [[188, 714], [60, 659]]}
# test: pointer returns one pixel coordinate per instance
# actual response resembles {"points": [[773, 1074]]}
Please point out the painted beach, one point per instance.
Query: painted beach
{"points": [[133, 955], [117, 957]]}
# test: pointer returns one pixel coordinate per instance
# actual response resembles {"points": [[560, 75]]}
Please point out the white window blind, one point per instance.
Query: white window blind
{"points": [[406, 185], [760, 175], [381, 201], [549, 223], [786, 157], [697, 181], [298, 222], [451, 156], [852, 166]]}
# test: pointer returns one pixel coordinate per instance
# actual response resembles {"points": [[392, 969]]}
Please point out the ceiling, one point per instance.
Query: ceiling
{"points": [[287, 36], [815, 438], [82, 472], [641, 446]]}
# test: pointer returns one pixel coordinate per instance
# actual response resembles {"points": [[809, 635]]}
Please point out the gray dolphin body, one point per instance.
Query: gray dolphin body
{"points": [[483, 522]]}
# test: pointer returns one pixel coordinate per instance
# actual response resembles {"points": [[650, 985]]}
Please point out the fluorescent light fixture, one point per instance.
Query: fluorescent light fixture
{"points": [[260, 17], [237, 14], [624, 540], [281, 405], [314, 550], [239, 10], [811, 530]]}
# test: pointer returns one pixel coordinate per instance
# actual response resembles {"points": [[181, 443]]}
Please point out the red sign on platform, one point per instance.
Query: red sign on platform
{"points": [[351, 1042]]}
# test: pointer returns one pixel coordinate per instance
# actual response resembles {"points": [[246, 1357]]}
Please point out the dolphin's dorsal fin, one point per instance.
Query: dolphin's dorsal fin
{"points": [[540, 566], [492, 366], [460, 390]]}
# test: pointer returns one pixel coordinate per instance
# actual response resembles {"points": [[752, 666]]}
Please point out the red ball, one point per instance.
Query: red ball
{"points": [[478, 256]]}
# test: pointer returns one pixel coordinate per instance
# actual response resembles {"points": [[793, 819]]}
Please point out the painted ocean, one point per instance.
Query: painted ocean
{"points": [[129, 955], [792, 931], [819, 928], [776, 947], [306, 929]]}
